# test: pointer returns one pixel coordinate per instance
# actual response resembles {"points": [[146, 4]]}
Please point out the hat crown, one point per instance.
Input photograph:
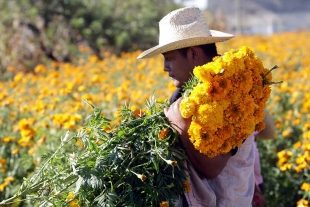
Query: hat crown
{"points": [[182, 24], [183, 28]]}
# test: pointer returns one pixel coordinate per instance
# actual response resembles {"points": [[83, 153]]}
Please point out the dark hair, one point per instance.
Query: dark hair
{"points": [[209, 50]]}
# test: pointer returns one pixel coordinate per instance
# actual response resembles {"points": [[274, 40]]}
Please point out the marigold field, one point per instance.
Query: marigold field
{"points": [[37, 109]]}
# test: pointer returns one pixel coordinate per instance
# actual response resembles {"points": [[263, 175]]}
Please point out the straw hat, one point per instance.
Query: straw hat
{"points": [[182, 28]]}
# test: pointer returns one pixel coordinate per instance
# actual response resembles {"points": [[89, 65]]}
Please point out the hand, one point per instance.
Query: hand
{"points": [[175, 118]]}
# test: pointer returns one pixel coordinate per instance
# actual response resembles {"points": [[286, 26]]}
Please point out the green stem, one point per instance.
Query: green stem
{"points": [[46, 162], [273, 68], [25, 192], [36, 186]]}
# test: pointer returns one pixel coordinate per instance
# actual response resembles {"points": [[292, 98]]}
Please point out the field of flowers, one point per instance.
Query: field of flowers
{"points": [[36, 109]]}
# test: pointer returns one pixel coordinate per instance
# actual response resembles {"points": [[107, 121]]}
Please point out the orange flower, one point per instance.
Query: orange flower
{"points": [[303, 203], [138, 113], [173, 163], [228, 90], [187, 186], [305, 187], [164, 204], [72, 203], [8, 139], [142, 177], [163, 134], [15, 151]]}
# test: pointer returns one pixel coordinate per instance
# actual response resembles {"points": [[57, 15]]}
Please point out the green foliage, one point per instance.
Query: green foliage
{"points": [[128, 165], [282, 188], [38, 29], [190, 84]]}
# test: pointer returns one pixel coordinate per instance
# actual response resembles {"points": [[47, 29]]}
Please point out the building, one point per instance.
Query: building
{"points": [[262, 16]]}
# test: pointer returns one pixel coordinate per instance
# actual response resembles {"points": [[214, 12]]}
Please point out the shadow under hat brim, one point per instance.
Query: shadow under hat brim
{"points": [[159, 49]]}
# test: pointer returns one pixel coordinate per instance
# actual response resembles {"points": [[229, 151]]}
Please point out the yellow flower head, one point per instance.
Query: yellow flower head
{"points": [[8, 139], [198, 95], [232, 91], [210, 115], [70, 196], [187, 108], [303, 203], [305, 187]]}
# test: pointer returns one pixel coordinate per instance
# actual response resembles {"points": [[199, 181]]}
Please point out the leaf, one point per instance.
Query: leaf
{"points": [[155, 163]]}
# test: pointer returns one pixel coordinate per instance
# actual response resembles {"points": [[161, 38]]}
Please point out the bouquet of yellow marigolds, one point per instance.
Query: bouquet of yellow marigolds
{"points": [[226, 100], [137, 162]]}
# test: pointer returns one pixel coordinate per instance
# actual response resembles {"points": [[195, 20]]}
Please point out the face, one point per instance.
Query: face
{"points": [[178, 67]]}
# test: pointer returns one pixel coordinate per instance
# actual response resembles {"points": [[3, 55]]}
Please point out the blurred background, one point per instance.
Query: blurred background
{"points": [[255, 16], [36, 30]]}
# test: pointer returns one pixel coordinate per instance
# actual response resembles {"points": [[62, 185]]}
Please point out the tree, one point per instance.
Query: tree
{"points": [[58, 27]]}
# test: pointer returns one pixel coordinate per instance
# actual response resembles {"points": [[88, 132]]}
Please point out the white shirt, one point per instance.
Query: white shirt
{"points": [[233, 187]]}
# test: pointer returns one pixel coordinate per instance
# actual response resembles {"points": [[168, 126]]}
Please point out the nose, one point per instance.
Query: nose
{"points": [[166, 67]]}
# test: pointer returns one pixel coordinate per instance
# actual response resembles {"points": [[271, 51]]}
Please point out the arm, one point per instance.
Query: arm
{"points": [[270, 129], [205, 166]]}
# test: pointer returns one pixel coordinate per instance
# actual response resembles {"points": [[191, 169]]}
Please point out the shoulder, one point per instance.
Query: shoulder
{"points": [[176, 95]]}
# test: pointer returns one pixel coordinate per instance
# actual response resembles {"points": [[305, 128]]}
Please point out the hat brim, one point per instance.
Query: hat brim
{"points": [[217, 36]]}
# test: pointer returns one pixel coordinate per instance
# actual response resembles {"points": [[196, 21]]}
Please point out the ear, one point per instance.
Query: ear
{"points": [[194, 53]]}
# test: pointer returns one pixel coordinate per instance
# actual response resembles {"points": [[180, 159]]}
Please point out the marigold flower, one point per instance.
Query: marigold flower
{"points": [[297, 145], [138, 113], [164, 204], [187, 186], [163, 134], [2, 161], [3, 186], [74, 202], [142, 177], [232, 90], [287, 132], [306, 127], [70, 196], [172, 162], [14, 151], [211, 115], [286, 166], [198, 95], [285, 154], [188, 107], [9, 179], [8, 139], [305, 187], [303, 203], [306, 135], [260, 126]]}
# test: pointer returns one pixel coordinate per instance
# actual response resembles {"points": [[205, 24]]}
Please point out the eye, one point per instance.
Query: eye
{"points": [[169, 58]]}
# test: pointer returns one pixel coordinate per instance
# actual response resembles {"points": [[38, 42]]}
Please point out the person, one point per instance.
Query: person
{"points": [[226, 180]]}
